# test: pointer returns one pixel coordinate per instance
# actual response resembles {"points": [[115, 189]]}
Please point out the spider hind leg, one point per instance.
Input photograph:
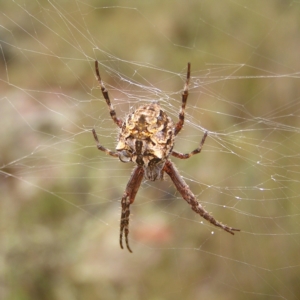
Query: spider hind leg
{"points": [[104, 91], [185, 94]]}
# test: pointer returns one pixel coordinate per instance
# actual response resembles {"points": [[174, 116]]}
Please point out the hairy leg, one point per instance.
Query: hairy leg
{"points": [[112, 112], [185, 94], [127, 199], [188, 155], [190, 198], [100, 147]]}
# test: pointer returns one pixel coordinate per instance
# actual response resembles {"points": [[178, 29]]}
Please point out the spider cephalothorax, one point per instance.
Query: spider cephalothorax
{"points": [[146, 138]]}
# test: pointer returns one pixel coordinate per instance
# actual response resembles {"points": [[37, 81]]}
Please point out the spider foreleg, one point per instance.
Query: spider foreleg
{"points": [[190, 198], [104, 91], [199, 209], [127, 199], [188, 155], [124, 224], [100, 147]]}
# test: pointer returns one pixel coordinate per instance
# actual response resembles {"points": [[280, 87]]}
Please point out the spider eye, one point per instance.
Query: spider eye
{"points": [[125, 156], [154, 168]]}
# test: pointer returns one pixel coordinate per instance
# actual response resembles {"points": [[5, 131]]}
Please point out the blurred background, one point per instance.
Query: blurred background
{"points": [[60, 196]]}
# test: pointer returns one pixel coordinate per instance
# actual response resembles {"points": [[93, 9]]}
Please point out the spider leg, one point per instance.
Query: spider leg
{"points": [[100, 147], [196, 151], [127, 199], [185, 94], [190, 198], [112, 112]]}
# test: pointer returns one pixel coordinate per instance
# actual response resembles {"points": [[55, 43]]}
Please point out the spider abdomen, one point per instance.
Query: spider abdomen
{"points": [[147, 135]]}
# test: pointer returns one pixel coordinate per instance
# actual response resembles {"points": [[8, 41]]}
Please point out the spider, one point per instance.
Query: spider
{"points": [[146, 138]]}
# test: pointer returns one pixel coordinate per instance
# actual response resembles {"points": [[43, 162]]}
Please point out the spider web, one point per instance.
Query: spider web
{"points": [[60, 203]]}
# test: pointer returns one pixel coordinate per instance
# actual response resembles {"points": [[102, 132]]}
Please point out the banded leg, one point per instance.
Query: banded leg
{"points": [[190, 198], [196, 151], [100, 147], [185, 94], [112, 112], [127, 199]]}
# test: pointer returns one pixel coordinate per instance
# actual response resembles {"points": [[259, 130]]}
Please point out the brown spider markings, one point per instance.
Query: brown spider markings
{"points": [[147, 138]]}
